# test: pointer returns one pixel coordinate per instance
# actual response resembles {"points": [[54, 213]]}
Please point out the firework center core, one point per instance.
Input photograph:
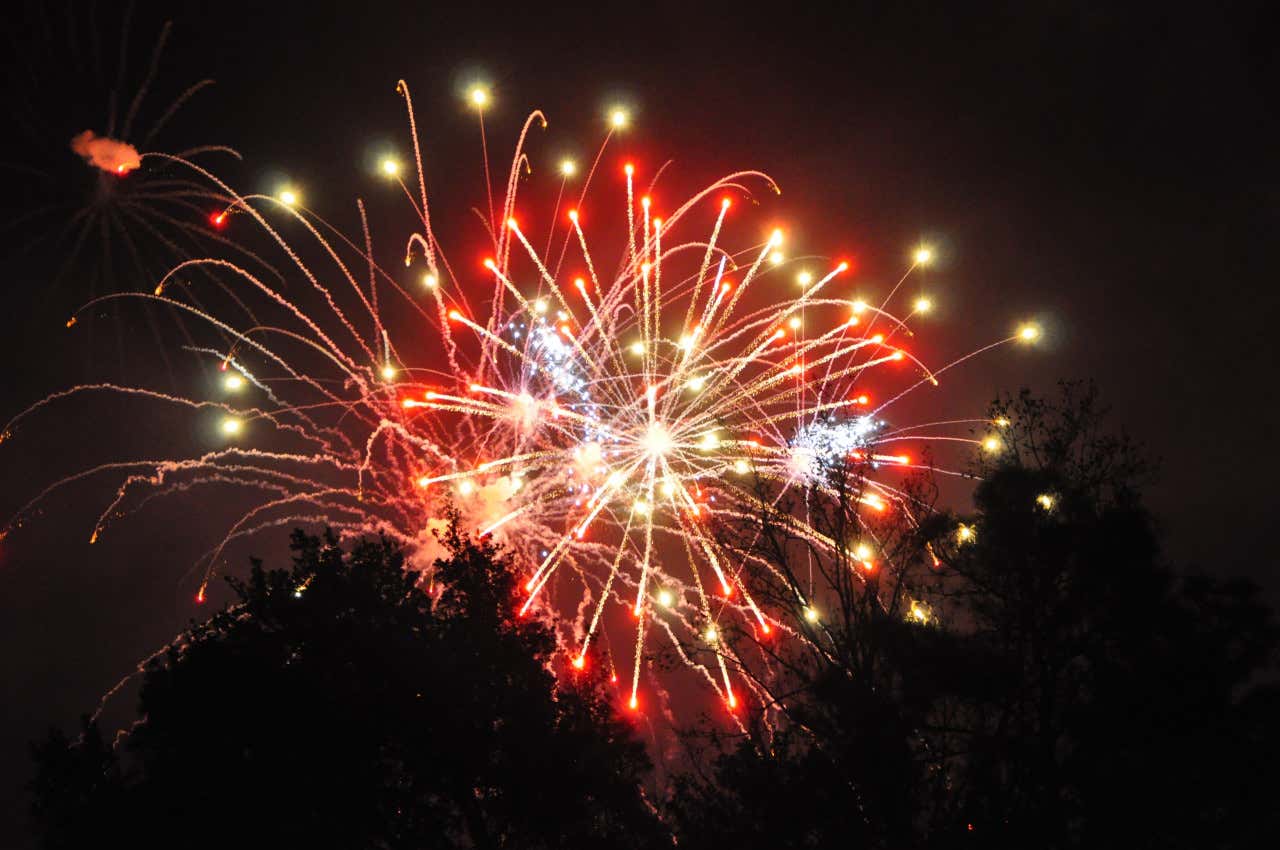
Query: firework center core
{"points": [[658, 441]]}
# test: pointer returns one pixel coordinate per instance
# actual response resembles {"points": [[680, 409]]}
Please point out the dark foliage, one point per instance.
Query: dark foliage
{"points": [[1077, 693], [339, 705]]}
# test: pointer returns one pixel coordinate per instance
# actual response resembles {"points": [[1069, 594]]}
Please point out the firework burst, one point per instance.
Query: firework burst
{"points": [[83, 201], [598, 424]]}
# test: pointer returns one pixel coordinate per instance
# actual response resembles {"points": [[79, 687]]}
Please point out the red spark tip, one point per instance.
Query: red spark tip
{"points": [[580, 662], [634, 704], [200, 597]]}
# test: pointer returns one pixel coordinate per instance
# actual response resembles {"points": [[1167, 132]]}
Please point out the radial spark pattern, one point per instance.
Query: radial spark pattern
{"points": [[598, 424]]}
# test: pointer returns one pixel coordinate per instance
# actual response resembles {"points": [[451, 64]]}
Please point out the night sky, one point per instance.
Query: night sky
{"points": [[1110, 173]]}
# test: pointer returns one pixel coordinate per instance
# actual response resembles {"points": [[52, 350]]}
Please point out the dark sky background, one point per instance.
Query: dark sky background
{"points": [[1110, 172]]}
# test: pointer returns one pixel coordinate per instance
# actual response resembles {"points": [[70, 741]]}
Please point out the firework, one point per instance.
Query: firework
{"points": [[85, 203], [599, 424]]}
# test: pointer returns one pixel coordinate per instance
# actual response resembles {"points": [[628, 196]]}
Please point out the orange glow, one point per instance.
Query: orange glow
{"points": [[455, 315], [573, 215], [898, 355], [724, 204], [629, 168], [634, 703], [579, 662]]}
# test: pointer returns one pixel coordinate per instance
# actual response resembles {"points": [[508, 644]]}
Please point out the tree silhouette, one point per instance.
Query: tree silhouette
{"points": [[1064, 687], [339, 705], [1122, 681]]}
